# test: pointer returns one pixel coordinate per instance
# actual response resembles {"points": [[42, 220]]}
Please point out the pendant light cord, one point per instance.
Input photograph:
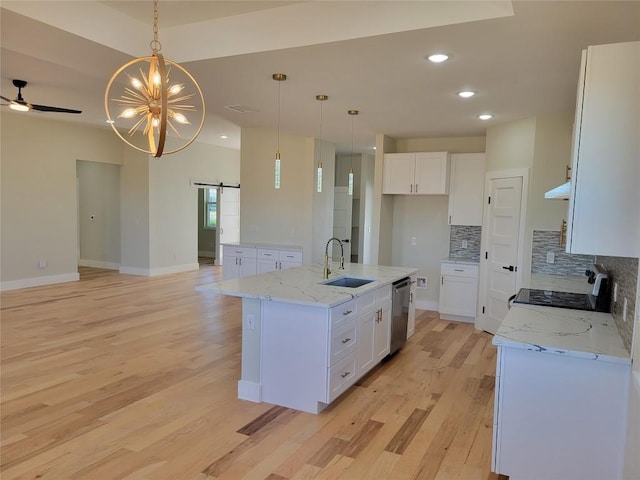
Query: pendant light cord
{"points": [[278, 149]]}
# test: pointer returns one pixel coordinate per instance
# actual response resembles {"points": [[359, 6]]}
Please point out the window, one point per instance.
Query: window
{"points": [[210, 207]]}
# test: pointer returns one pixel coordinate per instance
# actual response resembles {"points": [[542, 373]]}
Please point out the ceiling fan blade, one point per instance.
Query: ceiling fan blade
{"points": [[6, 99], [45, 108]]}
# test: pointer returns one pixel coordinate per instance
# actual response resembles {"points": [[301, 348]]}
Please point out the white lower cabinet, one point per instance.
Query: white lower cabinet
{"points": [[458, 291], [306, 369], [246, 260], [558, 417]]}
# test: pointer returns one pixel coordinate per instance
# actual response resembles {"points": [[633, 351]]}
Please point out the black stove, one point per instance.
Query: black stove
{"points": [[548, 298]]}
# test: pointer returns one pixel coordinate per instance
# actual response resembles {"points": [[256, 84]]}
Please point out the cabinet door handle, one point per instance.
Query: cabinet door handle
{"points": [[240, 260], [276, 264], [346, 340], [411, 188], [449, 219], [567, 175], [416, 188], [236, 260], [347, 312], [345, 374], [441, 279], [410, 297]]}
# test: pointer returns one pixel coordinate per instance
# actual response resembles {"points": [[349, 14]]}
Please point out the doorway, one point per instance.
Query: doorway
{"points": [[502, 245]]}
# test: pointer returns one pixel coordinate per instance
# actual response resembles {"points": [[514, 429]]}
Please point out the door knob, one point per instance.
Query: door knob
{"points": [[346, 240], [511, 268]]}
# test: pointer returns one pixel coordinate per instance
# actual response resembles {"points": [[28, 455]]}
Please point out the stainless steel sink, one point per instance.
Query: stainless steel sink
{"points": [[348, 282]]}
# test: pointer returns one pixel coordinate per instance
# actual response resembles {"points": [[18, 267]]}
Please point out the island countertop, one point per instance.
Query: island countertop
{"points": [[304, 285], [562, 331]]}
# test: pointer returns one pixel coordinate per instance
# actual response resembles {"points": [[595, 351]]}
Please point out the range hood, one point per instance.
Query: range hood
{"points": [[559, 193]]}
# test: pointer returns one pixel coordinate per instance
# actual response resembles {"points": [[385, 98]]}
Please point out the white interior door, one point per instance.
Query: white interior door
{"points": [[342, 211], [501, 249], [228, 218]]}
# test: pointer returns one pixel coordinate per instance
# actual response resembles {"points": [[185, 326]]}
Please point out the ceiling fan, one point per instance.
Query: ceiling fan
{"points": [[21, 105]]}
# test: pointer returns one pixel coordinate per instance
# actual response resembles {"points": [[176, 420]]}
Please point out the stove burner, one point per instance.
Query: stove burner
{"points": [[575, 301]]}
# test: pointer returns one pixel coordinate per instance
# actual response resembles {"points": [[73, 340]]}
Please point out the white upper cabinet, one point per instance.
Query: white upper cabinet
{"points": [[466, 190], [416, 173], [605, 187]]}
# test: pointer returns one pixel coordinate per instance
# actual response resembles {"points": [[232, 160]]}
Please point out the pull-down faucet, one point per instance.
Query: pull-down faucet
{"points": [[326, 271]]}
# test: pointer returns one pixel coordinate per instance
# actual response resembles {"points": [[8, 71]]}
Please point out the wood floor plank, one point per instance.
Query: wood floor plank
{"points": [[126, 377]]}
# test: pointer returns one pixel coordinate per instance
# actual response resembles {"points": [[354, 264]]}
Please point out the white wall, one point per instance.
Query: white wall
{"points": [[99, 214], [38, 194]]}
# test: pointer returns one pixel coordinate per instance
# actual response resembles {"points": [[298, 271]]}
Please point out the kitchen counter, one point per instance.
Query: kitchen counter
{"points": [[461, 261], [270, 246], [304, 285], [562, 331]]}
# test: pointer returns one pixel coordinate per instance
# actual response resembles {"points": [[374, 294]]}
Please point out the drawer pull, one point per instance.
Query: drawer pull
{"points": [[345, 374], [346, 340], [267, 254], [347, 312], [458, 269]]}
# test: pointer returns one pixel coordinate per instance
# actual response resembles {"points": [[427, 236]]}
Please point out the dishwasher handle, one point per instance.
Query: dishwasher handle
{"points": [[403, 283]]}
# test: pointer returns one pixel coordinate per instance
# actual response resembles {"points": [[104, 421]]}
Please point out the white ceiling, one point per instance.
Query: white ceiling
{"points": [[521, 57]]}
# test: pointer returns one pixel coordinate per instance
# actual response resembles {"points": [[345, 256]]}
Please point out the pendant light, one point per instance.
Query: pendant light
{"points": [[278, 77], [320, 98], [141, 101], [353, 113]]}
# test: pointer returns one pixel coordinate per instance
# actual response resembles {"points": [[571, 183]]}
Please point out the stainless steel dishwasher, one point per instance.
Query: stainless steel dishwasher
{"points": [[399, 313]]}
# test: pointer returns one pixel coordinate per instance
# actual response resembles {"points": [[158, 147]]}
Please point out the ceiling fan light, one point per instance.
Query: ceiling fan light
{"points": [[19, 107]]}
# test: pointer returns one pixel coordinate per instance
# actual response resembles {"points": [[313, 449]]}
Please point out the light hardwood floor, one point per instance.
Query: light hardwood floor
{"points": [[123, 377]]}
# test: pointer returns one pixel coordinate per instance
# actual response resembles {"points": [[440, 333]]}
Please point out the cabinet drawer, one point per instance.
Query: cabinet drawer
{"points": [[268, 254], [343, 341], [292, 256], [459, 270], [366, 301], [343, 312], [341, 376], [383, 294], [236, 251]]}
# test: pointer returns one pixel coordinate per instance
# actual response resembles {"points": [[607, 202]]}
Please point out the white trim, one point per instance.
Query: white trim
{"points": [[206, 253], [98, 264], [457, 318], [39, 281], [249, 391], [427, 305], [152, 272]]}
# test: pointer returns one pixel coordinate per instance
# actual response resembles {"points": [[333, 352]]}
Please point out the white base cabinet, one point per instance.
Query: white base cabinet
{"points": [[246, 260], [311, 355], [558, 417], [458, 291]]}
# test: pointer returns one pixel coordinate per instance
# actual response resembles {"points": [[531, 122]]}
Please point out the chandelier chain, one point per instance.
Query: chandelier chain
{"points": [[156, 46]]}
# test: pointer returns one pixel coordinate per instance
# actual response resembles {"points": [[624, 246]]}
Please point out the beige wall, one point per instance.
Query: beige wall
{"points": [[39, 219], [282, 216], [38, 194], [322, 209], [99, 214], [442, 144]]}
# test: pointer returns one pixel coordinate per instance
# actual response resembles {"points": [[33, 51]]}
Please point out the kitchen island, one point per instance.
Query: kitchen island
{"points": [[304, 342], [561, 383]]}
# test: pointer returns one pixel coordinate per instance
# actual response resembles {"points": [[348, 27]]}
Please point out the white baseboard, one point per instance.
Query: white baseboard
{"points": [[457, 318], [249, 391], [99, 264], [206, 253], [152, 272], [39, 281], [427, 305]]}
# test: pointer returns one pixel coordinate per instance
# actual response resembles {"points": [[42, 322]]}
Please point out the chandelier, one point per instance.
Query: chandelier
{"points": [[150, 96]]}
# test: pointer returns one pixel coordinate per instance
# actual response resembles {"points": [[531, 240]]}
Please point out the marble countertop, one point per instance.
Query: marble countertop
{"points": [[461, 261], [263, 245], [562, 331], [304, 285], [560, 283]]}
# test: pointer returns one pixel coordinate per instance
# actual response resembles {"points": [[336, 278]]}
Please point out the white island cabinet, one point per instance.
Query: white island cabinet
{"points": [[305, 343], [561, 391]]}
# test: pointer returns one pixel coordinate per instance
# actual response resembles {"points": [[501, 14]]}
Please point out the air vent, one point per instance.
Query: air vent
{"points": [[240, 108]]}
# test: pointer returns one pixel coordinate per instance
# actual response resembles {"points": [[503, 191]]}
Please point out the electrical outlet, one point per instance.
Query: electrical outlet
{"points": [[465, 244], [251, 322], [42, 264], [421, 282], [624, 310], [413, 241], [615, 292], [551, 257]]}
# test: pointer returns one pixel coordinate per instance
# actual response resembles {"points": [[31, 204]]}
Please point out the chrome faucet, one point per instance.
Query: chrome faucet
{"points": [[326, 271]]}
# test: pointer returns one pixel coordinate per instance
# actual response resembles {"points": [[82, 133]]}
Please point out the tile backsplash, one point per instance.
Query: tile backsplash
{"points": [[471, 234], [624, 272], [564, 263]]}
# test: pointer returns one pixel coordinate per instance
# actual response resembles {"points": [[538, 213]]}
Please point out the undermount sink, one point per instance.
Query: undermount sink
{"points": [[348, 282]]}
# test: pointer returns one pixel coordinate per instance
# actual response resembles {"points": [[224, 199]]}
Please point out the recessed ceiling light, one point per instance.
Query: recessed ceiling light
{"points": [[224, 137], [466, 94], [485, 116], [438, 58]]}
